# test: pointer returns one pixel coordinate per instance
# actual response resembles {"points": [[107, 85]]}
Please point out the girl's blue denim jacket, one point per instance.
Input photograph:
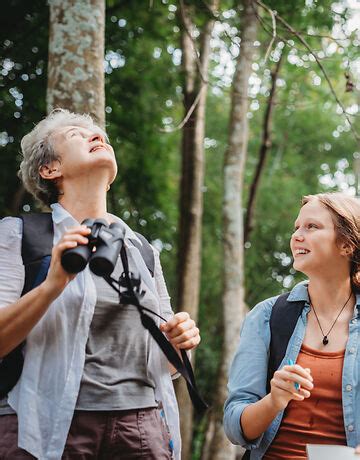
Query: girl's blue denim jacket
{"points": [[248, 372]]}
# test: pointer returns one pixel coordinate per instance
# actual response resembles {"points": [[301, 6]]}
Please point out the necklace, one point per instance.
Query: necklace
{"points": [[325, 336]]}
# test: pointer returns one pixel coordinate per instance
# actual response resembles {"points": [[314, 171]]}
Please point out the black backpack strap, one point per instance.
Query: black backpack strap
{"points": [[283, 319], [36, 249], [146, 252], [37, 243], [183, 365]]}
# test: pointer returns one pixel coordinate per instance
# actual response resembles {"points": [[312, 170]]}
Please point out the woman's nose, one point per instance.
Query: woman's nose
{"points": [[97, 137]]}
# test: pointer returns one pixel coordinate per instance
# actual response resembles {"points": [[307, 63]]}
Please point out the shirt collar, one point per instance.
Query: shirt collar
{"points": [[299, 293], [62, 216], [357, 295]]}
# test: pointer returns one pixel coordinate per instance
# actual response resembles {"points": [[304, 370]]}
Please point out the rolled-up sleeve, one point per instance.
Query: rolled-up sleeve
{"points": [[248, 371], [11, 265], [165, 300]]}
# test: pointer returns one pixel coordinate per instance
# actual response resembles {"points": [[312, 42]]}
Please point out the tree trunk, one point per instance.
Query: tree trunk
{"points": [[76, 57], [264, 149], [233, 303], [191, 198]]}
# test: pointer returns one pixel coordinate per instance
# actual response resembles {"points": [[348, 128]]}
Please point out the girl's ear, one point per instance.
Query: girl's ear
{"points": [[50, 171], [346, 249]]}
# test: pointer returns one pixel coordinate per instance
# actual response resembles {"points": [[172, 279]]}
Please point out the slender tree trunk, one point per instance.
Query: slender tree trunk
{"points": [[191, 198], [76, 57], [264, 149], [234, 307]]}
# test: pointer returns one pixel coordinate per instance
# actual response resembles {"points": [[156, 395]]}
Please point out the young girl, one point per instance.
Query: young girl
{"points": [[317, 399]]}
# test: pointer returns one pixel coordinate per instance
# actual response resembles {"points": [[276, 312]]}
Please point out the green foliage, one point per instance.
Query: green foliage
{"points": [[312, 146], [23, 63]]}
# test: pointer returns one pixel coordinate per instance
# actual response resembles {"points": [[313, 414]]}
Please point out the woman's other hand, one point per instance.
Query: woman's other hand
{"points": [[283, 388], [181, 331]]}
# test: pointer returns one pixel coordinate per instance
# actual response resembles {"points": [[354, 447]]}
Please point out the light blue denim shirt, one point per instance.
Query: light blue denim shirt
{"points": [[248, 372], [45, 396]]}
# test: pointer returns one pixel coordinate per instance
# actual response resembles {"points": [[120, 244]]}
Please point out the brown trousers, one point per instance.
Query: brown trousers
{"points": [[101, 435]]}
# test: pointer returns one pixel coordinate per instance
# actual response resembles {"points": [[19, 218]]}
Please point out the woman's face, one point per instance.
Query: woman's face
{"points": [[314, 244], [84, 152]]}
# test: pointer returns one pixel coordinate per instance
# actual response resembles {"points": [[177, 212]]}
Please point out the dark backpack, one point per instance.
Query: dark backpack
{"points": [[36, 247]]}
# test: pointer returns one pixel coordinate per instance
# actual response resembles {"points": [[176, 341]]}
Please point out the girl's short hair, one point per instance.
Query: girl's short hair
{"points": [[38, 150], [345, 211]]}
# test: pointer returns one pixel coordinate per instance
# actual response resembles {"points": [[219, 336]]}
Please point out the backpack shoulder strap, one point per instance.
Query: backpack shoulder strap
{"points": [[146, 252], [37, 243], [283, 319]]}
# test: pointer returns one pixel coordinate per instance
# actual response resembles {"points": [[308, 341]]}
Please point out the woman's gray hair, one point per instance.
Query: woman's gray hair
{"points": [[38, 150]]}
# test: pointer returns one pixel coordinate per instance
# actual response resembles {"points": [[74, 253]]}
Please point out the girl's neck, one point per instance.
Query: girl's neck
{"points": [[328, 296]]}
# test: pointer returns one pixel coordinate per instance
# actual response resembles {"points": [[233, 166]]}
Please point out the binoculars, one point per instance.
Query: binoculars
{"points": [[101, 252]]}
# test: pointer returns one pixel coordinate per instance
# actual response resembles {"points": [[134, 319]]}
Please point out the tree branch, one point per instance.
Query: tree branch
{"points": [[307, 46], [264, 149]]}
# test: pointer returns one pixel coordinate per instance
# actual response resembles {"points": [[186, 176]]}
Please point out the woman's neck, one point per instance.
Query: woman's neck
{"points": [[85, 203], [328, 296]]}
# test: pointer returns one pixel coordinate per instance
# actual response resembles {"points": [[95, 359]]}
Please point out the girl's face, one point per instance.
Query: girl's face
{"points": [[314, 244]]}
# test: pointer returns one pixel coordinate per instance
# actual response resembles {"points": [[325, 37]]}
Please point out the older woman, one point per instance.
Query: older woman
{"points": [[93, 383], [313, 397]]}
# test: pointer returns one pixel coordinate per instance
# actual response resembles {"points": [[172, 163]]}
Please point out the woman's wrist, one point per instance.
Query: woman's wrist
{"points": [[49, 291]]}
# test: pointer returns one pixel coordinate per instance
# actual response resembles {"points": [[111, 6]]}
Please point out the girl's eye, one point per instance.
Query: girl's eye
{"points": [[312, 226]]}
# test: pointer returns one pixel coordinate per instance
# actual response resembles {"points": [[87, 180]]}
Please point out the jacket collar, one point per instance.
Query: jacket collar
{"points": [[300, 293]]}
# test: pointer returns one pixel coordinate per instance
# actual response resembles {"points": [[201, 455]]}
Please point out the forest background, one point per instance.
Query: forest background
{"points": [[275, 88]]}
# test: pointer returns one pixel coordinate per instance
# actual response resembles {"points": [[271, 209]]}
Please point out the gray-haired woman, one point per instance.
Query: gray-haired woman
{"points": [[93, 379]]}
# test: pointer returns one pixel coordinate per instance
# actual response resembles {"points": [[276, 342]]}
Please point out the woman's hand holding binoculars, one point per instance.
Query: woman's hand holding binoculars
{"points": [[57, 277]]}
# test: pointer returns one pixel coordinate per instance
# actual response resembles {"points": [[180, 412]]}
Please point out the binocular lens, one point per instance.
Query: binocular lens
{"points": [[101, 266], [75, 260]]}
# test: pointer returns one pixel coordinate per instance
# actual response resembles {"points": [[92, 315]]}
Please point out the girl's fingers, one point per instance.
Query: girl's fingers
{"points": [[295, 378], [297, 369]]}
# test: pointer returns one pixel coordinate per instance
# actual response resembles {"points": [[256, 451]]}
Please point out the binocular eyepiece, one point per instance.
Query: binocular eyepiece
{"points": [[101, 252]]}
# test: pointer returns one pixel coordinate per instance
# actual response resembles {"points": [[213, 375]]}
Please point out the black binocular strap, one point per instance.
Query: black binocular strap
{"points": [[182, 366]]}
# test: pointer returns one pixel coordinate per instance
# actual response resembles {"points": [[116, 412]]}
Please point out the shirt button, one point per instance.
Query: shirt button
{"points": [[354, 321], [348, 388], [351, 427], [352, 350]]}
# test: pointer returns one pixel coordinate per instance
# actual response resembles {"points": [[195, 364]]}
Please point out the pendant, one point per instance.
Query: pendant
{"points": [[325, 340]]}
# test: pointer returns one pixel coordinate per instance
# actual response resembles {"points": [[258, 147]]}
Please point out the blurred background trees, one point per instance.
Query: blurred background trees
{"points": [[297, 138]]}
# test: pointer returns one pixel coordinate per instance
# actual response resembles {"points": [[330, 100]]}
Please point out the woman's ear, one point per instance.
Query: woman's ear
{"points": [[50, 171]]}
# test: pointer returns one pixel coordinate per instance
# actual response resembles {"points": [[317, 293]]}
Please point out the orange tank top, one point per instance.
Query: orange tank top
{"points": [[318, 419]]}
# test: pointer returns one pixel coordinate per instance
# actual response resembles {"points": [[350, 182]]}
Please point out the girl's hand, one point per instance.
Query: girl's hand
{"points": [[283, 385]]}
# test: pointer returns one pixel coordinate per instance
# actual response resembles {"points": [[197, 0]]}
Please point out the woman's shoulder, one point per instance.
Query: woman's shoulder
{"points": [[10, 227]]}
